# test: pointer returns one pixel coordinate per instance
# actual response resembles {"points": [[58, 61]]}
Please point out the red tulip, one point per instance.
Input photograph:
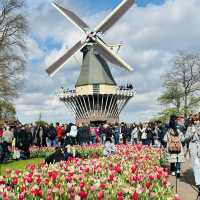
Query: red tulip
{"points": [[14, 181], [21, 196], [102, 186], [135, 196], [133, 168], [39, 193], [23, 189], [100, 195], [158, 176], [120, 196], [148, 184], [2, 182], [82, 184], [119, 193], [38, 180], [46, 182], [110, 178], [118, 168], [83, 194], [29, 179], [69, 179]]}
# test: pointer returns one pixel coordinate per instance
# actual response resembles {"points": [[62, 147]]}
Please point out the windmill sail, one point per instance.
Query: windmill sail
{"points": [[62, 60], [114, 16], [72, 17], [111, 56]]}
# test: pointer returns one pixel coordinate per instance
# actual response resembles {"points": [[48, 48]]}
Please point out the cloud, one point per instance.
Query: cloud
{"points": [[151, 37]]}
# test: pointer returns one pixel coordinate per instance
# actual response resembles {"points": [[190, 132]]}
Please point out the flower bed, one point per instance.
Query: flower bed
{"points": [[43, 152], [134, 172], [87, 151]]}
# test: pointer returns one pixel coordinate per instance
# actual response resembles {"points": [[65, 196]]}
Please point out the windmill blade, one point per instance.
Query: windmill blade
{"points": [[103, 49], [62, 60], [72, 17], [114, 16]]}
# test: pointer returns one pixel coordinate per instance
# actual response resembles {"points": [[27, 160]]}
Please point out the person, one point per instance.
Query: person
{"points": [[7, 143], [193, 137], [8, 136], [38, 135], [66, 133], [73, 134], [61, 154], [102, 134], [134, 134], [116, 133], [142, 130], [109, 148], [157, 135], [93, 134], [24, 143], [29, 133], [59, 133], [150, 134], [80, 134], [123, 132], [51, 136], [174, 139]]}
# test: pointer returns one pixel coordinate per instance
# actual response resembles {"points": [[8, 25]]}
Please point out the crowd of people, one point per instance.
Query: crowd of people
{"points": [[22, 137], [178, 137]]}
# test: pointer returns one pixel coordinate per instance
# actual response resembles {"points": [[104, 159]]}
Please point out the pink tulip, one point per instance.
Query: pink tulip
{"points": [[100, 195]]}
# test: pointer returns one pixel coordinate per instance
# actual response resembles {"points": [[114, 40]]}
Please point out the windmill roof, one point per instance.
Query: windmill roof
{"points": [[94, 69]]}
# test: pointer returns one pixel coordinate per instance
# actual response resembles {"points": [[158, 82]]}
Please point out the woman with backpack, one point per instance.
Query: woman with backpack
{"points": [[175, 151], [193, 137]]}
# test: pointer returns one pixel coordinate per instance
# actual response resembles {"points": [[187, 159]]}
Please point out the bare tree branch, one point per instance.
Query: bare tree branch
{"points": [[186, 72], [13, 29]]}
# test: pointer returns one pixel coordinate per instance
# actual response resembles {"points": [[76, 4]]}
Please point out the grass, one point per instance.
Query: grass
{"points": [[21, 165]]}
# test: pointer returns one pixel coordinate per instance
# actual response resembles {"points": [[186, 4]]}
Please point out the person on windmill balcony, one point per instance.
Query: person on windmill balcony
{"points": [[193, 137], [174, 139]]}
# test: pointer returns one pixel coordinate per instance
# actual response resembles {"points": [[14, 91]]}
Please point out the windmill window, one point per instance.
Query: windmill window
{"points": [[96, 88]]}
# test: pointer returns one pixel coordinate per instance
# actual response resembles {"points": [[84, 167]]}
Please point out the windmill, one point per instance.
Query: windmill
{"points": [[96, 97]]}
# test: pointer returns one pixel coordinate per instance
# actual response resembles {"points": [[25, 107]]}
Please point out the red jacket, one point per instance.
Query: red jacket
{"points": [[59, 132], [1, 132]]}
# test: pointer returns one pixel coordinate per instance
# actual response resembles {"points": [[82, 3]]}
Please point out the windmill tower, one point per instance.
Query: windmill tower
{"points": [[96, 97]]}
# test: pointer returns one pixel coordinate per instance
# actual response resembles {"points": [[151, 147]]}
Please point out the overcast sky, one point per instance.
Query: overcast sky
{"points": [[152, 32]]}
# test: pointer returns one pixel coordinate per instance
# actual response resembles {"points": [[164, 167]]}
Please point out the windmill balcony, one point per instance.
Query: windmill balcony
{"points": [[121, 90]]}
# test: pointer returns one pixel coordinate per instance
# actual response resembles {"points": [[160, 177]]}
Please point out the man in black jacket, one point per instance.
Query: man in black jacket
{"points": [[51, 135], [24, 142], [59, 155]]}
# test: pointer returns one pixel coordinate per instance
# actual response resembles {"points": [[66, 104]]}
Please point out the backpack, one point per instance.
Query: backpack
{"points": [[174, 145]]}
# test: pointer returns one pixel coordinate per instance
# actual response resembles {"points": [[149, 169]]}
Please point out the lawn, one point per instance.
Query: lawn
{"points": [[18, 165]]}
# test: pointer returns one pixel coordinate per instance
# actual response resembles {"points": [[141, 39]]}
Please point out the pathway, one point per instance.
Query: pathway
{"points": [[186, 184]]}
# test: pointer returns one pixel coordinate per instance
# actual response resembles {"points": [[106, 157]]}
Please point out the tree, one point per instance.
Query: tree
{"points": [[13, 29], [186, 73], [7, 110], [172, 95], [41, 122], [164, 116]]}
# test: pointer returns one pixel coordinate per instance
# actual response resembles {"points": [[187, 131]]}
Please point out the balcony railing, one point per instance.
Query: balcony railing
{"points": [[124, 91]]}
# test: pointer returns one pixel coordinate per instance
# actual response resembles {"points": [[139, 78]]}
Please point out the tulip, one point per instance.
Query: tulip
{"points": [[100, 195], [14, 181], [133, 168], [148, 184], [82, 184], [83, 194], [135, 196]]}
